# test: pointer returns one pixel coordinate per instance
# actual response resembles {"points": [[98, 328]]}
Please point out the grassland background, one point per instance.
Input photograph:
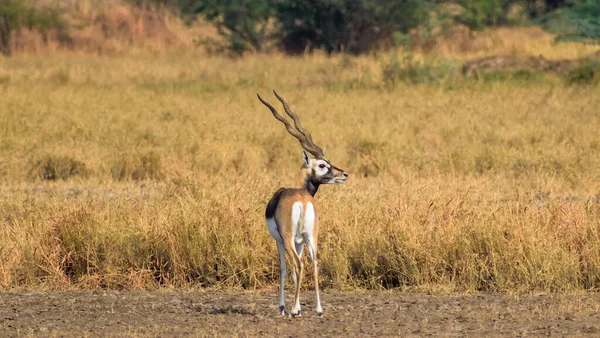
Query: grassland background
{"points": [[142, 169]]}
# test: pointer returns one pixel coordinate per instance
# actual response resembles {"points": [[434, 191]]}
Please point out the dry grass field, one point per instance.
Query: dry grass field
{"points": [[140, 171], [135, 167]]}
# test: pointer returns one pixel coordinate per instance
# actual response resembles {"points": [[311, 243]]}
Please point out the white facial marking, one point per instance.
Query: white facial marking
{"points": [[321, 167]]}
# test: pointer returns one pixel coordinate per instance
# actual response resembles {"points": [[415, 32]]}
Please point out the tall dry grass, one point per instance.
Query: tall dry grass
{"points": [[153, 171], [110, 27]]}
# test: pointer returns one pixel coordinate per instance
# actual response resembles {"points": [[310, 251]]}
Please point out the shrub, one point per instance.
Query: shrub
{"points": [[140, 167], [586, 74], [522, 75], [576, 23], [479, 14], [58, 168], [414, 72]]}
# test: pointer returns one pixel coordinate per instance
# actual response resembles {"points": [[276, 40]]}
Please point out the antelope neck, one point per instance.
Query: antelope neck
{"points": [[306, 182]]}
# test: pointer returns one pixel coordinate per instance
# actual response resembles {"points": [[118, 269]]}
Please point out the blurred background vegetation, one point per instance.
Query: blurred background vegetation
{"points": [[299, 26], [360, 26]]}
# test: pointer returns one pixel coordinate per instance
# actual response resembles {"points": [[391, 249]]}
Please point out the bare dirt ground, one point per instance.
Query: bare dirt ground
{"points": [[175, 313]]}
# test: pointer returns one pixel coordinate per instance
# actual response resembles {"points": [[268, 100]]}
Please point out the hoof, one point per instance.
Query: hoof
{"points": [[320, 314], [281, 310], [297, 315]]}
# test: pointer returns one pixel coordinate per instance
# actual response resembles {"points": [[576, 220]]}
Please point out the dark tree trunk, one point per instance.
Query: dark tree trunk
{"points": [[4, 36], [539, 8]]}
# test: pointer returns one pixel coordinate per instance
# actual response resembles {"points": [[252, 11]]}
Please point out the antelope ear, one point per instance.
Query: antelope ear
{"points": [[306, 159]]}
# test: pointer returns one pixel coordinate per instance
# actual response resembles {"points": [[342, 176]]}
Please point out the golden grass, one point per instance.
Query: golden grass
{"points": [[465, 186], [461, 43]]}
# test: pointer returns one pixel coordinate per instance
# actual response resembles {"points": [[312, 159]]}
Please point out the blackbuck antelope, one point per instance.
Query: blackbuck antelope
{"points": [[291, 213]]}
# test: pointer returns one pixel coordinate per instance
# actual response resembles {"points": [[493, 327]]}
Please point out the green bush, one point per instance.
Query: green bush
{"points": [[413, 72], [478, 14], [580, 22], [54, 168], [586, 74], [522, 75]]}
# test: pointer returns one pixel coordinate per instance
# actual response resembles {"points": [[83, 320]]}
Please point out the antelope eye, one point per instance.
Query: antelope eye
{"points": [[322, 166]]}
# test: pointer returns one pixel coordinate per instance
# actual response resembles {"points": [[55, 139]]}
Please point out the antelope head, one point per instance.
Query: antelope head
{"points": [[317, 170]]}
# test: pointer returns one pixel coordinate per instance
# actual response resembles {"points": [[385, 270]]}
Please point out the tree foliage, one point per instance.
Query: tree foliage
{"points": [[242, 22], [350, 26], [354, 26], [479, 14], [580, 22]]}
